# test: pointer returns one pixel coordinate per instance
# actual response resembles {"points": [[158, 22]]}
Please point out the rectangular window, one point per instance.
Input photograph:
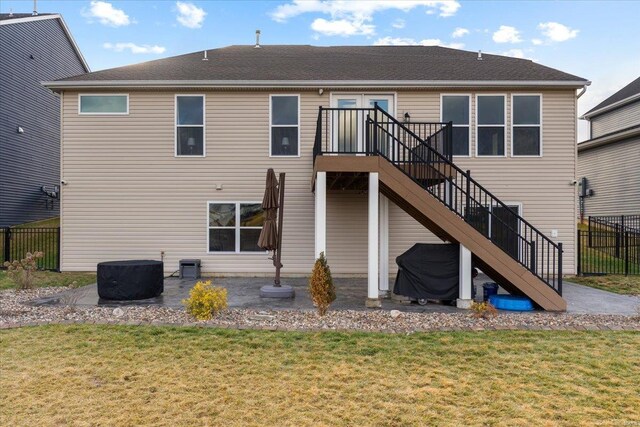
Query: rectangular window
{"points": [[284, 125], [234, 227], [501, 224], [190, 125], [455, 108], [526, 137], [490, 138], [103, 104]]}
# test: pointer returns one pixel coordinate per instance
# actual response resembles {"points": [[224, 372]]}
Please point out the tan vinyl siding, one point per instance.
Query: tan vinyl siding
{"points": [[613, 173], [129, 197], [615, 120]]}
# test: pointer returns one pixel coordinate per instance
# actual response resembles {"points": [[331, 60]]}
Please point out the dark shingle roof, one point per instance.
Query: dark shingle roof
{"points": [[6, 16], [629, 90], [338, 63]]}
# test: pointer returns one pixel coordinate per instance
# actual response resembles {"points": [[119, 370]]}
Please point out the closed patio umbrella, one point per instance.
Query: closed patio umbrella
{"points": [[271, 234], [268, 239]]}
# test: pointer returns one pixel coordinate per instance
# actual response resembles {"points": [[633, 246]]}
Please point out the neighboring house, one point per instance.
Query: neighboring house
{"points": [[610, 159], [33, 48], [171, 155]]}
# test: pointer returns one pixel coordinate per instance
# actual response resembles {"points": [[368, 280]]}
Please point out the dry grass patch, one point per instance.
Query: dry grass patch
{"points": [[51, 278], [626, 285], [101, 375]]}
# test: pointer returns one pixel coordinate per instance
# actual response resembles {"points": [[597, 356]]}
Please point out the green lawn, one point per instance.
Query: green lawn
{"points": [[626, 285], [171, 376], [50, 278]]}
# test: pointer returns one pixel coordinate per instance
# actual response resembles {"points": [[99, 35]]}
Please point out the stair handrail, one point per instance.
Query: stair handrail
{"points": [[494, 201]]}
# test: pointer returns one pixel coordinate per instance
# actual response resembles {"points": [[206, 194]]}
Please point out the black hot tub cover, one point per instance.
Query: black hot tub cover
{"points": [[429, 271], [130, 280]]}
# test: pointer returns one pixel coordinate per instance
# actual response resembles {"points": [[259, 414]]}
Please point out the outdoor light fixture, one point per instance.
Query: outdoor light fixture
{"points": [[285, 144], [407, 117], [20, 129]]}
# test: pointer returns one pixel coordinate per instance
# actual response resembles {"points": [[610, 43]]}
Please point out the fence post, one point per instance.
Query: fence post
{"points": [[532, 267], [579, 252], [58, 239], [618, 241], [590, 242], [560, 268], [626, 253], [7, 242]]}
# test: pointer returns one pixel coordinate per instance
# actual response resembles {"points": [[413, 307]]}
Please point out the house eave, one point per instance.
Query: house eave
{"points": [[615, 105], [309, 84], [610, 138]]}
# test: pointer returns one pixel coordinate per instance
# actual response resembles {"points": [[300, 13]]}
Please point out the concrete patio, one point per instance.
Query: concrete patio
{"points": [[351, 294]]}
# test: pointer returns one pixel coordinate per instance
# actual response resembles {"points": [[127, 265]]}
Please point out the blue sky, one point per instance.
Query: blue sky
{"points": [[596, 40]]}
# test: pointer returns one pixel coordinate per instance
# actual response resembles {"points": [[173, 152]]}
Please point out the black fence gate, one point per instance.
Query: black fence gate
{"points": [[611, 245], [16, 242]]}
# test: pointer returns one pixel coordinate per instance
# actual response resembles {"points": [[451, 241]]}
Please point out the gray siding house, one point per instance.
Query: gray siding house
{"points": [[610, 159], [34, 48]]}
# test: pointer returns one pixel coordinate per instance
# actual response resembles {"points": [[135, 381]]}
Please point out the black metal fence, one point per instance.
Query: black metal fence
{"points": [[603, 252], [615, 223], [16, 242]]}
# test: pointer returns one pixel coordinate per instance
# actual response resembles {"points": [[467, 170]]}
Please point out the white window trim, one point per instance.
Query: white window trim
{"points": [[271, 125], [237, 228], [531, 125], [469, 97], [80, 95], [203, 125], [504, 125]]}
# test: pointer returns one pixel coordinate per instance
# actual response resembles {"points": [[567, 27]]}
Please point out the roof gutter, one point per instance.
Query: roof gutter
{"points": [[312, 84], [610, 138], [610, 107]]}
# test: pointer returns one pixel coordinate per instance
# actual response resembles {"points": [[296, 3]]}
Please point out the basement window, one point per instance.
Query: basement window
{"points": [[455, 108], [234, 227], [284, 125], [103, 104], [490, 133], [190, 126], [526, 136]]}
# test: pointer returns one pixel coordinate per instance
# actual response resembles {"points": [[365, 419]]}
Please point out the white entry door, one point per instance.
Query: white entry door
{"points": [[349, 120]]}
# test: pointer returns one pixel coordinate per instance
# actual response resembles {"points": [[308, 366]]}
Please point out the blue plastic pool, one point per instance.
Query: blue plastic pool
{"points": [[511, 302]]}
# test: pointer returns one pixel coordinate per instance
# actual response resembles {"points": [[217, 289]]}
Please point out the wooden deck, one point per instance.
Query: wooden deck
{"points": [[350, 172]]}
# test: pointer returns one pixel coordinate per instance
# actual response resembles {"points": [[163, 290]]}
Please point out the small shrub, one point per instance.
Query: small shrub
{"points": [[21, 272], [321, 287], [205, 300], [483, 310]]}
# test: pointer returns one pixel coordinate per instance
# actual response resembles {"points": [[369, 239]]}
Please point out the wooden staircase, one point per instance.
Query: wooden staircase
{"points": [[448, 201]]}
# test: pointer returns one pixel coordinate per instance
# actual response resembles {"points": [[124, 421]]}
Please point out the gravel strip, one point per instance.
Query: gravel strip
{"points": [[15, 311]]}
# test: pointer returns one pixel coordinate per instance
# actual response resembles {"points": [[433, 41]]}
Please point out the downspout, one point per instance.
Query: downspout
{"points": [[584, 89]]}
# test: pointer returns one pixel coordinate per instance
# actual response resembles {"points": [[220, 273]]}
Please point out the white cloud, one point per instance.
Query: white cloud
{"points": [[516, 53], [507, 34], [342, 27], [349, 18], [405, 41], [536, 42], [134, 48], [190, 15], [557, 32], [459, 32], [398, 23], [106, 14], [360, 9]]}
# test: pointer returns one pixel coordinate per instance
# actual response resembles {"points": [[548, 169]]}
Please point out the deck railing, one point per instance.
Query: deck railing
{"points": [[419, 158]]}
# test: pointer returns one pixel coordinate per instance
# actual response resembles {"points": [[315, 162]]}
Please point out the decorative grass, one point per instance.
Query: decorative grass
{"points": [[626, 285], [51, 278], [164, 376]]}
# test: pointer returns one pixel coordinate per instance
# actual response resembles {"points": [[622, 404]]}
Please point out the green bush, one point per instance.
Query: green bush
{"points": [[321, 287], [205, 300]]}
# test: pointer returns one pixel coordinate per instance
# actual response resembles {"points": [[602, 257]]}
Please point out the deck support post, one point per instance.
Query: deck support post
{"points": [[321, 214], [372, 294], [466, 279], [384, 246]]}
